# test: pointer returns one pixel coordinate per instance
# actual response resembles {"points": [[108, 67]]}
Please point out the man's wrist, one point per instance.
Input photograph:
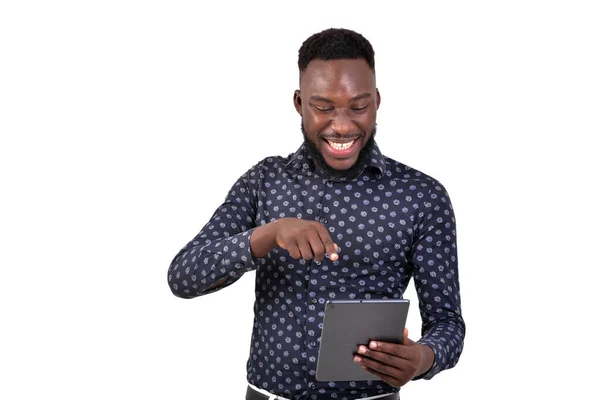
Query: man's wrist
{"points": [[427, 359], [262, 240]]}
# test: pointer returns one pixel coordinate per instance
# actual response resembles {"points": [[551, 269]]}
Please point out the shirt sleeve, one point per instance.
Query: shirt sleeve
{"points": [[222, 248], [436, 280]]}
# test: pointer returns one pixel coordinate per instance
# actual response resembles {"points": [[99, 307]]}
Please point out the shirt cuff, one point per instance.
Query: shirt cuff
{"points": [[435, 368]]}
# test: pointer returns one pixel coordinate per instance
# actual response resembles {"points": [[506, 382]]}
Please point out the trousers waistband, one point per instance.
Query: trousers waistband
{"points": [[255, 393]]}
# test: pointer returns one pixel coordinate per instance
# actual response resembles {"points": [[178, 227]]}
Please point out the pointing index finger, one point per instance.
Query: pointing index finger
{"points": [[331, 249], [334, 256]]}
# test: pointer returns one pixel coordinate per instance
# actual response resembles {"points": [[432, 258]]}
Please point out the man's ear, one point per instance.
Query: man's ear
{"points": [[298, 102], [378, 98]]}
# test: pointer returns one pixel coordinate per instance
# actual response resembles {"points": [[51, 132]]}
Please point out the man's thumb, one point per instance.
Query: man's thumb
{"points": [[405, 340]]}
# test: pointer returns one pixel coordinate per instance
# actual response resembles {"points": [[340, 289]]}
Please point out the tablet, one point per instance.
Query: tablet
{"points": [[349, 323]]}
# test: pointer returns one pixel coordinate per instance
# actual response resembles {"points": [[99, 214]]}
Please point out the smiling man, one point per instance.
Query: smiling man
{"points": [[338, 102], [335, 219]]}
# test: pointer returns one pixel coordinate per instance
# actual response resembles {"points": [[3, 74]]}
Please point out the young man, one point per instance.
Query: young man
{"points": [[335, 219]]}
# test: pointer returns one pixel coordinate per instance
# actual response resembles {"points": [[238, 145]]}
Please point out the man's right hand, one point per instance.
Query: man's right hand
{"points": [[301, 238]]}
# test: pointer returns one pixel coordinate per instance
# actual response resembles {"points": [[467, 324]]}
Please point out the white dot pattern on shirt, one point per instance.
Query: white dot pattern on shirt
{"points": [[392, 223]]}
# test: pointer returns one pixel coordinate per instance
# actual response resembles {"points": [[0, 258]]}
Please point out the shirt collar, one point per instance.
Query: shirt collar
{"points": [[302, 162]]}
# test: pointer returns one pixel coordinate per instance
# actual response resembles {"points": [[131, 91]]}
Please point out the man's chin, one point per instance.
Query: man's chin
{"points": [[339, 169], [335, 168], [341, 165]]}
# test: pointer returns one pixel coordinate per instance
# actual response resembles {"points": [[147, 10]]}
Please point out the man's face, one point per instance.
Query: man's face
{"points": [[338, 103]]}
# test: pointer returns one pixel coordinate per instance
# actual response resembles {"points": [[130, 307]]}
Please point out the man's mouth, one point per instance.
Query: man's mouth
{"points": [[340, 146]]}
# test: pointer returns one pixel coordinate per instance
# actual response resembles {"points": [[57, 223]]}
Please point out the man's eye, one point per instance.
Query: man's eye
{"points": [[360, 108], [323, 109]]}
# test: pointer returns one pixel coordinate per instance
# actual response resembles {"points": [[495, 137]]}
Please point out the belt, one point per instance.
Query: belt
{"points": [[254, 393]]}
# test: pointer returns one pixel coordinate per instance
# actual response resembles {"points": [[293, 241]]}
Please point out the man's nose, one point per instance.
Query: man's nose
{"points": [[341, 123]]}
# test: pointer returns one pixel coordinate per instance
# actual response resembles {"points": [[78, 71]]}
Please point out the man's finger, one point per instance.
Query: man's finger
{"points": [[316, 245], [395, 349], [294, 252], [386, 378], [405, 338], [305, 250], [378, 356], [330, 248], [280, 243], [387, 372]]}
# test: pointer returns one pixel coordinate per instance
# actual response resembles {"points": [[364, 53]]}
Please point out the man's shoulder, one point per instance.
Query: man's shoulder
{"points": [[398, 171], [274, 162], [271, 164]]}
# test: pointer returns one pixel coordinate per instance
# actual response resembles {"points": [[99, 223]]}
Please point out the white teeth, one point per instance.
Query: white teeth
{"points": [[340, 146]]}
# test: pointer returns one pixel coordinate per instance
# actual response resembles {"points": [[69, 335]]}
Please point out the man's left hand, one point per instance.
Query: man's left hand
{"points": [[395, 363]]}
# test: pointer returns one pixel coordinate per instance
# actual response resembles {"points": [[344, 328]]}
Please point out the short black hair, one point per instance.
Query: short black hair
{"points": [[335, 44]]}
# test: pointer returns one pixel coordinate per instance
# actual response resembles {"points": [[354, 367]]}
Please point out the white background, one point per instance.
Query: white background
{"points": [[124, 123]]}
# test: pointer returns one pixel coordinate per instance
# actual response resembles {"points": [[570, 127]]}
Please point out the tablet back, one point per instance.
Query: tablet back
{"points": [[349, 323]]}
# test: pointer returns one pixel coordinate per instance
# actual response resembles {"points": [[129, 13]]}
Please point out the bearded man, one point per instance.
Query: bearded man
{"points": [[334, 220]]}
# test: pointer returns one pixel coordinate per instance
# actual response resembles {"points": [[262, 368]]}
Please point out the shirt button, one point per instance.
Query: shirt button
{"points": [[323, 220], [312, 344], [312, 386], [315, 301]]}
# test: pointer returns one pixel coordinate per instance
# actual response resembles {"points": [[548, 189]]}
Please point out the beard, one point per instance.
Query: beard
{"points": [[336, 174]]}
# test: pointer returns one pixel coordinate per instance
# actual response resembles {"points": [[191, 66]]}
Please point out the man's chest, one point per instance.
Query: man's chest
{"points": [[372, 221]]}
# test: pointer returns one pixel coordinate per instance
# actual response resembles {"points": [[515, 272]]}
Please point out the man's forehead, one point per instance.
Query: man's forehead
{"points": [[348, 72]]}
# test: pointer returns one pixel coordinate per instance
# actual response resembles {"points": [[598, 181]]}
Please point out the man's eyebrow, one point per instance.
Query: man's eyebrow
{"points": [[325, 99], [321, 98], [361, 96]]}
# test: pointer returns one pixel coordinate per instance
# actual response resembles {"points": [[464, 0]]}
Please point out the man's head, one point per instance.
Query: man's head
{"points": [[338, 98]]}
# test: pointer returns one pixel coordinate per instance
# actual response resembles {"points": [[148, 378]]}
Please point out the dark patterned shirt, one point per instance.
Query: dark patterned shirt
{"points": [[392, 223]]}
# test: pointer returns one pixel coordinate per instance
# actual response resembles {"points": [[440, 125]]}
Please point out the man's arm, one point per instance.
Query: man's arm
{"points": [[220, 253], [231, 243], [435, 273], [436, 279]]}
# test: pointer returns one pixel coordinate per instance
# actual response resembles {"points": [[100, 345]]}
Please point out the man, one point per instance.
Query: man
{"points": [[335, 219]]}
